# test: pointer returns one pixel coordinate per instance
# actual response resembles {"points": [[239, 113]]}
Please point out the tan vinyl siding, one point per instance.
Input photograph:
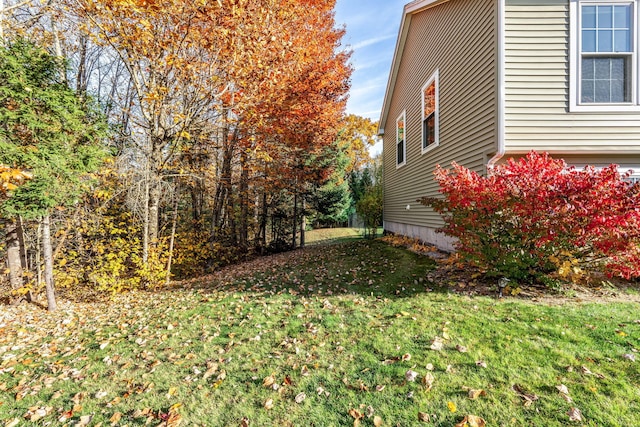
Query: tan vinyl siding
{"points": [[459, 39], [537, 89]]}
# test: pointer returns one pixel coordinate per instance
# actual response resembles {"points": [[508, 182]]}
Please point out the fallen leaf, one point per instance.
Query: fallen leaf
{"points": [[12, 423], [528, 397], [428, 381], [564, 392], [474, 394], [429, 367], [472, 421], [85, 420], [377, 421], [268, 404], [35, 414], [172, 391], [115, 418], [406, 357], [380, 387], [424, 417], [575, 414], [437, 344], [174, 419], [481, 363], [244, 422], [300, 397], [268, 381], [356, 414], [65, 416], [139, 413], [77, 398], [461, 348], [452, 406], [411, 375], [210, 371], [629, 356]]}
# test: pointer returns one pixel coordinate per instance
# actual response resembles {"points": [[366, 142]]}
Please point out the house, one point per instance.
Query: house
{"points": [[480, 81]]}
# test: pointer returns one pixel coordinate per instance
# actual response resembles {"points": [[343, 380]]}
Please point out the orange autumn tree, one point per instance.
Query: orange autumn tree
{"points": [[227, 102], [358, 134], [293, 115]]}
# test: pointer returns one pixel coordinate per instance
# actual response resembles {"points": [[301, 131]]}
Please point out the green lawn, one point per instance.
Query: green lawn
{"points": [[331, 235], [320, 337]]}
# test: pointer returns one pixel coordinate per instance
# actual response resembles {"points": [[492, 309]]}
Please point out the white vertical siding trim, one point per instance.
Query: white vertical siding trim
{"points": [[501, 86]]}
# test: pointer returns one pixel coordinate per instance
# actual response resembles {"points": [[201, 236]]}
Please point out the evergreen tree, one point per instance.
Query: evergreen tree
{"points": [[50, 131]]}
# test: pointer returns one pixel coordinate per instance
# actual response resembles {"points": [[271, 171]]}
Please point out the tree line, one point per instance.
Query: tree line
{"points": [[142, 140]]}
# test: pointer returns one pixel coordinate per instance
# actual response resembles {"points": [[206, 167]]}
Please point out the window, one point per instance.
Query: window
{"points": [[604, 35], [606, 53], [401, 146], [430, 120], [634, 179]]}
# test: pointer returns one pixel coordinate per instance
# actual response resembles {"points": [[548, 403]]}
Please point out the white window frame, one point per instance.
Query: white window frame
{"points": [[435, 77], [635, 173], [575, 60], [403, 117]]}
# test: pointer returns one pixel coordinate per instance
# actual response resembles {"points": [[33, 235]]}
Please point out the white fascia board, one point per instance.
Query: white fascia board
{"points": [[409, 10]]}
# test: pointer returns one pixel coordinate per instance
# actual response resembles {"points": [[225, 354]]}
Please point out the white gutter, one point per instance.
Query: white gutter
{"points": [[501, 86]]}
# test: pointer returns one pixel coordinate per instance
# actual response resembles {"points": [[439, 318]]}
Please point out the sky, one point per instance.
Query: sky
{"points": [[372, 30]]}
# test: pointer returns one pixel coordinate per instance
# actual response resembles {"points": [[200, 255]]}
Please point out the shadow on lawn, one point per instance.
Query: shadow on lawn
{"points": [[354, 266]]}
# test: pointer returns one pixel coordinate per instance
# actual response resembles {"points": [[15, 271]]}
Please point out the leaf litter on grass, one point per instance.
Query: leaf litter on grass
{"points": [[327, 319]]}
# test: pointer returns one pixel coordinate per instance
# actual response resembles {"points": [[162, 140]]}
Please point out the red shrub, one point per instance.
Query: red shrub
{"points": [[536, 216]]}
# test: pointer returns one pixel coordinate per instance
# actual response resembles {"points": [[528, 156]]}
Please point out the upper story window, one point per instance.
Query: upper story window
{"points": [[604, 65], [401, 146], [430, 114], [606, 53]]}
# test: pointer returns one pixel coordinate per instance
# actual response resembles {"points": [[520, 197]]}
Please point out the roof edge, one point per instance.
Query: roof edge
{"points": [[409, 10]]}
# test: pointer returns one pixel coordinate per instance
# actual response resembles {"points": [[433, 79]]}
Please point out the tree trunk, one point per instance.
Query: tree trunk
{"points": [[244, 203], [295, 220], [174, 222], [47, 253], [23, 254], [262, 234], [223, 193], [14, 258], [154, 210], [81, 74], [303, 223], [145, 230]]}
